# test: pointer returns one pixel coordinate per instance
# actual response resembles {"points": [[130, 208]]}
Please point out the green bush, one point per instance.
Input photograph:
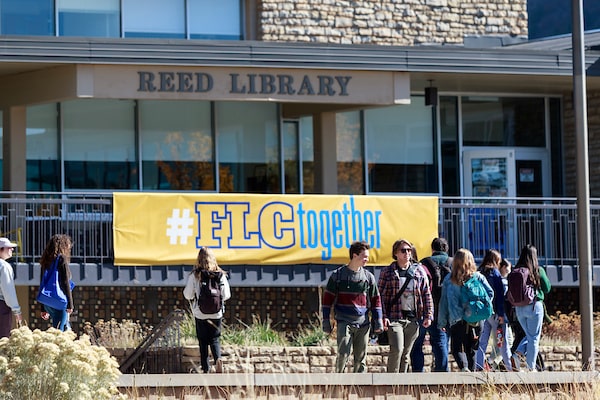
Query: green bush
{"points": [[311, 335], [259, 333], [53, 365]]}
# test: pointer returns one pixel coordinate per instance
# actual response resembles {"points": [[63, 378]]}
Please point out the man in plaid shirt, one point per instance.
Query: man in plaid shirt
{"points": [[404, 309]]}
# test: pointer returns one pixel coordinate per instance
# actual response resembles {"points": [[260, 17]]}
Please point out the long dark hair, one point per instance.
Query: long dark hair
{"points": [[529, 260], [491, 260], [59, 244]]}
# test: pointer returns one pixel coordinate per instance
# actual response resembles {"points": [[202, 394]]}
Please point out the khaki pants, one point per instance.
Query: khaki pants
{"points": [[355, 339], [402, 335]]}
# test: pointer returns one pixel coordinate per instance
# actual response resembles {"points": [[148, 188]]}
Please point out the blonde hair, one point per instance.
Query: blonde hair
{"points": [[205, 261], [463, 266]]}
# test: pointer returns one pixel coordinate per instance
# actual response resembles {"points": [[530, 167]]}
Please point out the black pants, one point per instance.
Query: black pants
{"points": [[464, 338], [6, 318], [208, 332]]}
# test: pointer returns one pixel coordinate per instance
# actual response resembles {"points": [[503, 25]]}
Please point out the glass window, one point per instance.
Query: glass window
{"points": [[308, 155], [350, 166], [99, 144], [43, 165], [1, 150], [154, 18], [494, 121], [248, 146], [88, 18], [211, 19], [27, 17], [177, 145], [291, 157], [400, 148], [449, 145]]}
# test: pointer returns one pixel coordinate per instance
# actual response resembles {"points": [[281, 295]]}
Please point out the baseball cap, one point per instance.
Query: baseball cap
{"points": [[4, 242]]}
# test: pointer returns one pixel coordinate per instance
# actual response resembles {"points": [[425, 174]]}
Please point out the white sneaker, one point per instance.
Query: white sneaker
{"points": [[465, 369]]}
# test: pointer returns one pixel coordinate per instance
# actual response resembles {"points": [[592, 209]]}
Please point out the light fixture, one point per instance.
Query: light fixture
{"points": [[431, 94]]}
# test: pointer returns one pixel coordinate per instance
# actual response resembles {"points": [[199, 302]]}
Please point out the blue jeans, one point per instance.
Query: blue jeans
{"points": [[490, 327], [439, 347], [531, 317], [58, 318]]}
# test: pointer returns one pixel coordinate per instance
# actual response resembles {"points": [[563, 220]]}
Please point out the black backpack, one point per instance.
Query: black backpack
{"points": [[438, 272], [210, 298]]}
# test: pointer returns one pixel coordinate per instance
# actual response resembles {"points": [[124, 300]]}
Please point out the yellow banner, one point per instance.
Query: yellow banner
{"points": [[168, 228]]}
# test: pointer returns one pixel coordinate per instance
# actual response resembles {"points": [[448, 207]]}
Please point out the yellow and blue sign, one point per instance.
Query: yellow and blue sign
{"points": [[169, 228]]}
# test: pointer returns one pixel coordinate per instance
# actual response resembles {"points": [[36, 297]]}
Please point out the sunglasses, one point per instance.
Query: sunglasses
{"points": [[406, 250]]}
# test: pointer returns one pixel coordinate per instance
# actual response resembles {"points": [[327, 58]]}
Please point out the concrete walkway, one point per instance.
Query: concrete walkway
{"points": [[365, 386]]}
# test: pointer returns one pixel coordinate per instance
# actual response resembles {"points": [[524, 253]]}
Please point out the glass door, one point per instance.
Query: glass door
{"points": [[489, 175]]}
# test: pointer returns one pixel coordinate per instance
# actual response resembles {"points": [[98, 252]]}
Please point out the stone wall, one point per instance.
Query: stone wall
{"points": [[390, 22], [322, 359], [570, 144]]}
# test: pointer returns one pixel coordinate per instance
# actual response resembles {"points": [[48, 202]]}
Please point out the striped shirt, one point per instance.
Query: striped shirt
{"points": [[352, 295]]}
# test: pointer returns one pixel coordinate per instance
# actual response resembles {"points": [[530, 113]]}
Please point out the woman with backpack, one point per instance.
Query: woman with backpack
{"points": [[454, 311], [528, 285], [496, 324], [207, 289]]}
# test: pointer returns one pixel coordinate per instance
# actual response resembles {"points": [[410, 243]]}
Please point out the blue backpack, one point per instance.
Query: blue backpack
{"points": [[477, 304]]}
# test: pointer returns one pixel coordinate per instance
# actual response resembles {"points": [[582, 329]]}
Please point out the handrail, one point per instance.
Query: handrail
{"points": [[157, 332]]}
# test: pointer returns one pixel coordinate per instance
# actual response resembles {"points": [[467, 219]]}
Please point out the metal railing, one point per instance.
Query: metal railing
{"points": [[474, 223], [31, 218], [507, 225]]}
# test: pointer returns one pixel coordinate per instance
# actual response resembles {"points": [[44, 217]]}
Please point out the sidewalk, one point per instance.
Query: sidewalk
{"points": [[507, 385]]}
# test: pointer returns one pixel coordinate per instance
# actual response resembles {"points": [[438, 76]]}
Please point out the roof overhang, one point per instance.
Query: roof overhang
{"points": [[499, 70]]}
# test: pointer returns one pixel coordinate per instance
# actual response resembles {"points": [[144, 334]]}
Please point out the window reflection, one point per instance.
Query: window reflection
{"points": [[503, 121], [349, 153]]}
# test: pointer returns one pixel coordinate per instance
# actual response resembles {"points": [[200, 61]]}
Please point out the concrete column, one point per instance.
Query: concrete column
{"points": [[325, 147], [14, 162]]}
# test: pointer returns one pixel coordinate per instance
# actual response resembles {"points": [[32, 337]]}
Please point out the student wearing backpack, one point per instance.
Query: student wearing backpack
{"points": [[454, 312], [437, 266], [407, 303], [352, 293], [528, 285], [207, 289], [497, 322]]}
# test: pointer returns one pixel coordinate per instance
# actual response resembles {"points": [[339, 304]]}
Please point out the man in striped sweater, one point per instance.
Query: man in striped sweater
{"points": [[352, 292]]}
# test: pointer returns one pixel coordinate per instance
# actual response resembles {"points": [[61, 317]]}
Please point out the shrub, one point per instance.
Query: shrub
{"points": [[116, 334], [566, 328], [260, 333], [53, 365], [311, 335]]}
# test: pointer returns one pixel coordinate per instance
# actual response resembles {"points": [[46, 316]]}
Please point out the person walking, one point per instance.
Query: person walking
{"points": [[437, 266], [9, 304], [407, 302], [497, 322], [352, 293], [451, 316], [58, 248], [530, 315], [207, 288]]}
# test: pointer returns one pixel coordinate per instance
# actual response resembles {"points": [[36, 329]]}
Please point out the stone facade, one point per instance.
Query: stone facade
{"points": [[322, 359], [570, 144], [390, 22]]}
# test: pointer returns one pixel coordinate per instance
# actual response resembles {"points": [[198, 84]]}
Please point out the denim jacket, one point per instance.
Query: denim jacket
{"points": [[451, 309]]}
